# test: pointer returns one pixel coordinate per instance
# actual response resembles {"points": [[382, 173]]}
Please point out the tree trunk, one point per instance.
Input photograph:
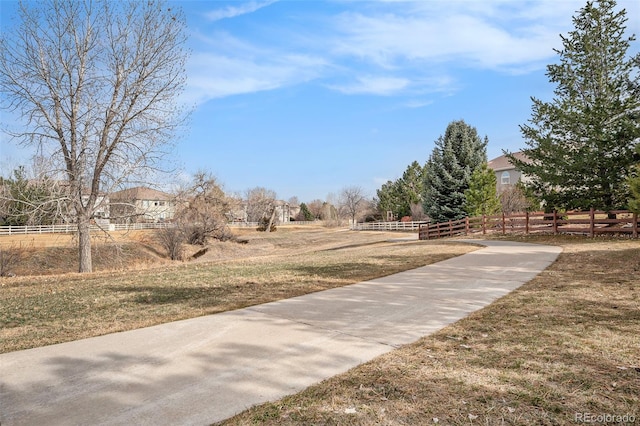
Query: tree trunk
{"points": [[271, 219], [84, 244]]}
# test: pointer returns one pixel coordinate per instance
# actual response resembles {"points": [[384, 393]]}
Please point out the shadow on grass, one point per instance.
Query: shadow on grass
{"points": [[340, 270], [150, 295], [350, 246]]}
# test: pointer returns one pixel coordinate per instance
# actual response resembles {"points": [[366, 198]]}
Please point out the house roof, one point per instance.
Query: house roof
{"points": [[501, 163], [140, 193]]}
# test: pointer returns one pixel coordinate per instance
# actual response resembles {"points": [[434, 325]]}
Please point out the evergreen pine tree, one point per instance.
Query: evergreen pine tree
{"points": [[481, 197], [31, 202], [398, 196], [581, 143], [411, 187], [455, 157], [390, 199], [305, 214]]}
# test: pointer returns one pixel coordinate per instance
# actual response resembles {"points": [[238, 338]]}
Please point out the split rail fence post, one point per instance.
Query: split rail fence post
{"points": [[450, 228], [555, 222], [592, 224], [504, 224], [484, 226], [526, 222], [635, 225], [466, 225]]}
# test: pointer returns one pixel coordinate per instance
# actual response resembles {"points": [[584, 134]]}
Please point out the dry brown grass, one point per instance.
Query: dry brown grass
{"points": [[54, 254], [563, 345], [37, 311]]}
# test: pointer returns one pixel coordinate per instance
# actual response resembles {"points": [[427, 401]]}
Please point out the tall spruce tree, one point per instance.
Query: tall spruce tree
{"points": [[455, 157], [581, 143]]}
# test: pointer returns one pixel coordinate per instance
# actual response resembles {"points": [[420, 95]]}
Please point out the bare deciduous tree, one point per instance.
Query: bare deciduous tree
{"points": [[260, 203], [513, 199], [353, 201], [171, 239], [204, 210], [97, 84]]}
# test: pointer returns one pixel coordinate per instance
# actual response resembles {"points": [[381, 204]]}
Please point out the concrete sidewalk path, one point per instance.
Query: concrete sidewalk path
{"points": [[202, 370]]}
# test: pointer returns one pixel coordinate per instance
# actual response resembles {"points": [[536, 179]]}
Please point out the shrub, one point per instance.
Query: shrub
{"points": [[171, 239]]}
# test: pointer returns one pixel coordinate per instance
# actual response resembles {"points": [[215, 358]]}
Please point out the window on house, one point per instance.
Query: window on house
{"points": [[505, 179]]}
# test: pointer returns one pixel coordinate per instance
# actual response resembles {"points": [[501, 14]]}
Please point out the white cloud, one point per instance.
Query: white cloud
{"points": [[214, 75], [394, 41], [233, 11], [374, 85], [503, 35], [382, 48]]}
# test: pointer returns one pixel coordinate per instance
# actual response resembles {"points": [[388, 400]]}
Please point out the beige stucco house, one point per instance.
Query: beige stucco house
{"points": [[141, 204], [507, 174]]}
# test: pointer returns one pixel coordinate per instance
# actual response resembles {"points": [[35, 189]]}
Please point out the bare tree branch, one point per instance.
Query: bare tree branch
{"points": [[97, 84]]}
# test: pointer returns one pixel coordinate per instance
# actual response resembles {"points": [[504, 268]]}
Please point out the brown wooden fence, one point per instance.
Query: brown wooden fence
{"points": [[589, 223]]}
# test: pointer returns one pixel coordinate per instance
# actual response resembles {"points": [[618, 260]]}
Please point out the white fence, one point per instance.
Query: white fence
{"points": [[256, 224], [51, 229], [69, 228], [387, 226]]}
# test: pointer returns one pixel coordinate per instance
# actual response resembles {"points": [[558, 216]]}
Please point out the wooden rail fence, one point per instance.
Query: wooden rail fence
{"points": [[589, 223]]}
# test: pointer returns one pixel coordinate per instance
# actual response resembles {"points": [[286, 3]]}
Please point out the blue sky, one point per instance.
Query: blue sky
{"points": [[308, 97]]}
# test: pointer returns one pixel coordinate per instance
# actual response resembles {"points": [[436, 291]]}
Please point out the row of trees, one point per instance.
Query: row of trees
{"points": [[97, 83], [203, 209], [581, 146], [453, 183], [33, 199]]}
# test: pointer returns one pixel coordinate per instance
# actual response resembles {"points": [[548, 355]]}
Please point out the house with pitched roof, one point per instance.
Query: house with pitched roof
{"points": [[141, 204], [507, 174]]}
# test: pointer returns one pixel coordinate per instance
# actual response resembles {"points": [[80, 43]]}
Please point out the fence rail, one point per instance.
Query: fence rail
{"points": [[71, 228], [589, 223], [387, 226]]}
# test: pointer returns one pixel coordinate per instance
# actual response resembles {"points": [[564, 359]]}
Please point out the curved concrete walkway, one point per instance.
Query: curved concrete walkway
{"points": [[206, 369]]}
